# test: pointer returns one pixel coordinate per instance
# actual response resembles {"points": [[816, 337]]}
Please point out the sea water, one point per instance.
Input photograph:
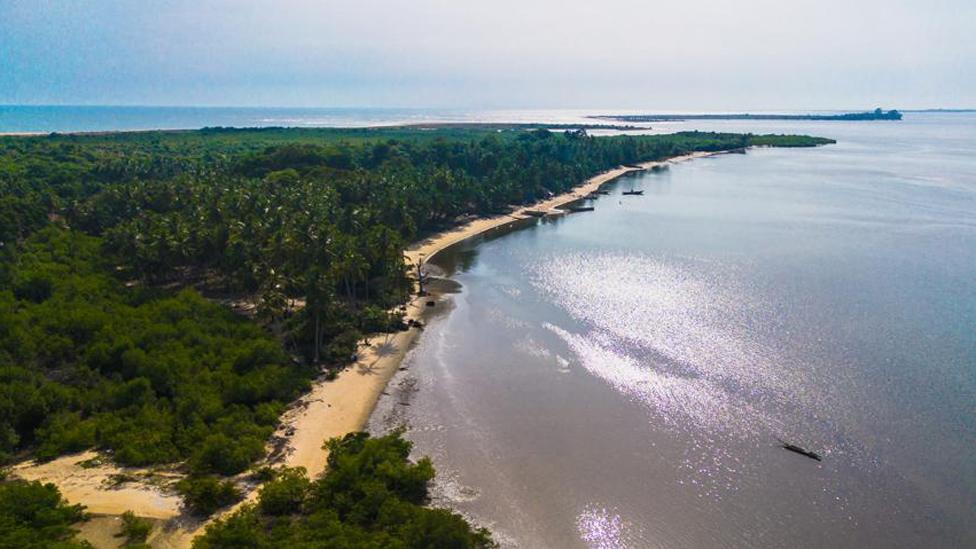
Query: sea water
{"points": [[627, 377]]}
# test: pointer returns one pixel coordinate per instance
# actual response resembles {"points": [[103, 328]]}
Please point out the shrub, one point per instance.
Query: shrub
{"points": [[204, 495], [222, 454], [35, 516], [372, 497], [284, 495], [135, 530], [343, 347]]}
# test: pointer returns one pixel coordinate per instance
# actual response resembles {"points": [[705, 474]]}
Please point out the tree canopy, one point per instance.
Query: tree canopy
{"points": [[372, 496], [35, 516]]}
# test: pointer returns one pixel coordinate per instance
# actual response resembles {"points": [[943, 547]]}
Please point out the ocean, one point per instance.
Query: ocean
{"points": [[46, 119], [627, 377]]}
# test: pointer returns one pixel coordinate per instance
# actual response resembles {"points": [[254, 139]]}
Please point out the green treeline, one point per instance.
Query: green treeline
{"points": [[107, 243], [372, 497]]}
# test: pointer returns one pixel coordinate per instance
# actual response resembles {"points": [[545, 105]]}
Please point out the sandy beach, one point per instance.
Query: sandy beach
{"points": [[342, 406], [331, 409]]}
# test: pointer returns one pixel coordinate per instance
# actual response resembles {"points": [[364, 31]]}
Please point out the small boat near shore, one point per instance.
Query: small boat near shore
{"points": [[545, 213], [580, 208], [634, 193]]}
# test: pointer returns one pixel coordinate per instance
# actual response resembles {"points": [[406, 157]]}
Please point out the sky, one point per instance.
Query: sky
{"points": [[621, 54]]}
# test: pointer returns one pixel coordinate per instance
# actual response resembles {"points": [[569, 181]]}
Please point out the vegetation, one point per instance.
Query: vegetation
{"points": [[98, 347], [371, 497], [35, 516], [205, 494], [153, 377], [135, 530], [109, 243], [876, 114]]}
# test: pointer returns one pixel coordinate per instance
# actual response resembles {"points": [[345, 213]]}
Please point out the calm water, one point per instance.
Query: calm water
{"points": [[20, 118], [47, 118], [620, 378]]}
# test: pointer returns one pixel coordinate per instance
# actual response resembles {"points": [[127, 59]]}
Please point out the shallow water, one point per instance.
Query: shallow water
{"points": [[621, 378]]}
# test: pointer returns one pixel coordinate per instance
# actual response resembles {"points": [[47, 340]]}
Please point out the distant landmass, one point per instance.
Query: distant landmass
{"points": [[876, 114]]}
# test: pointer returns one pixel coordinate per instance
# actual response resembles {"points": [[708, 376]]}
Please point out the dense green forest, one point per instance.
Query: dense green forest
{"points": [[119, 252], [153, 376]]}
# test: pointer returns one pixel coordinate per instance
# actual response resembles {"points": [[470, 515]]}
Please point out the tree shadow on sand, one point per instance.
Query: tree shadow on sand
{"points": [[387, 348]]}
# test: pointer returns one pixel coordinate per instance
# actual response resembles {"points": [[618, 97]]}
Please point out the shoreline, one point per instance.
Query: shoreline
{"points": [[349, 399], [429, 247], [330, 409]]}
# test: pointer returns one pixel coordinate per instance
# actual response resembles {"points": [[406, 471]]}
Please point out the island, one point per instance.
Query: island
{"points": [[876, 114]]}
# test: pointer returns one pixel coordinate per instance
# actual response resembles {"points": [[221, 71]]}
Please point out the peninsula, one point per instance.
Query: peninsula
{"points": [[189, 312], [877, 114]]}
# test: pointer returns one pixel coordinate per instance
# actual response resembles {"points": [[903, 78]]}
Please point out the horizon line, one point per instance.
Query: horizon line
{"points": [[436, 108]]}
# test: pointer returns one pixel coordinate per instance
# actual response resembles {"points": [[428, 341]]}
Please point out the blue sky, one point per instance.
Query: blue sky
{"points": [[688, 54]]}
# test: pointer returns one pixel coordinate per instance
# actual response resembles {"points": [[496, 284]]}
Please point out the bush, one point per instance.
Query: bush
{"points": [[204, 495], [376, 319], [35, 516], [284, 495], [371, 497], [135, 530], [222, 454], [35, 287], [342, 348], [242, 530]]}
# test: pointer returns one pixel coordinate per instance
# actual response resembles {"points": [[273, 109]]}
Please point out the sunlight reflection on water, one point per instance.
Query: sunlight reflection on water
{"points": [[600, 528], [669, 337]]}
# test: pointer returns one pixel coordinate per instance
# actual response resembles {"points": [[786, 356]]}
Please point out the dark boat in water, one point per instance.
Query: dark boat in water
{"points": [[581, 208], [802, 451], [633, 192]]}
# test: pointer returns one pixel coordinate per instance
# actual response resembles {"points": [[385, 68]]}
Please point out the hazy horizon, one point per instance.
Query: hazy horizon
{"points": [[699, 55], [589, 110]]}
